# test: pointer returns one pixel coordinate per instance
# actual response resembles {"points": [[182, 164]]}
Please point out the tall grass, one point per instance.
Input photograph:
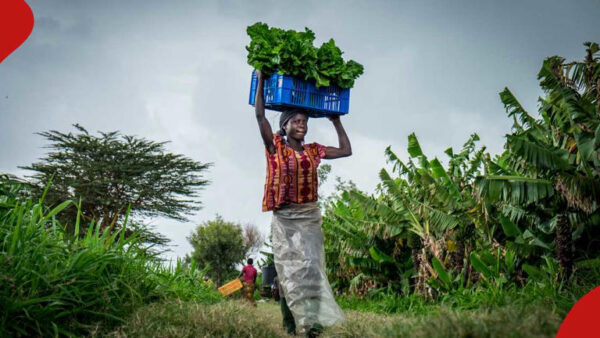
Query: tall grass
{"points": [[55, 283]]}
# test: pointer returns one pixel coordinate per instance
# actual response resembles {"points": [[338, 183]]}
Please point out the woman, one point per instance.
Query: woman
{"points": [[248, 275], [291, 193]]}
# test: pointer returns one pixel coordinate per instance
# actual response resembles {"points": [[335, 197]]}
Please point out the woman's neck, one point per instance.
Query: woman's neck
{"points": [[297, 145]]}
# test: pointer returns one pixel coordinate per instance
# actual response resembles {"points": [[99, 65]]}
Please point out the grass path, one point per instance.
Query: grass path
{"points": [[236, 319]]}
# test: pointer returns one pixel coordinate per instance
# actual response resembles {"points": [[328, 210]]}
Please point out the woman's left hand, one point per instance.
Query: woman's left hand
{"points": [[344, 149], [333, 118]]}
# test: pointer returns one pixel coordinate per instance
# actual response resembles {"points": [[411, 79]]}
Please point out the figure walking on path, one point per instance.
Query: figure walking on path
{"points": [[248, 275], [291, 193]]}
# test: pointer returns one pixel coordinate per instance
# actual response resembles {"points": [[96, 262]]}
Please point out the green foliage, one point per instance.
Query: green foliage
{"points": [[292, 53], [442, 275], [426, 200], [323, 172], [544, 290], [477, 221], [12, 189], [55, 283], [547, 182], [220, 245], [236, 319], [497, 268], [110, 173]]}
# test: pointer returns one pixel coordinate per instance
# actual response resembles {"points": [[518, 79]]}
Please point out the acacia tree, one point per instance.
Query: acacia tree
{"points": [[112, 172]]}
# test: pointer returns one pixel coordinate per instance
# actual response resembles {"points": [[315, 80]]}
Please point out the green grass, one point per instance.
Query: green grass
{"points": [[535, 310], [555, 295], [468, 299], [236, 319], [506, 321], [190, 319], [53, 283], [103, 284]]}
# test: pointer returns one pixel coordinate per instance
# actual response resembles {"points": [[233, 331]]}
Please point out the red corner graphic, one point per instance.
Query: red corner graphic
{"points": [[582, 321], [16, 23]]}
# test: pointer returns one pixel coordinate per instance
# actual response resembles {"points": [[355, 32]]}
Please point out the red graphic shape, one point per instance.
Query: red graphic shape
{"points": [[582, 320], [16, 23]]}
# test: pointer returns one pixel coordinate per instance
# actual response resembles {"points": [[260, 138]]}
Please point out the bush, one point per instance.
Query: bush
{"points": [[54, 283]]}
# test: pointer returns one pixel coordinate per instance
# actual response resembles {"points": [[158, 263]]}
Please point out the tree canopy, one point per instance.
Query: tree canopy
{"points": [[111, 172], [221, 245]]}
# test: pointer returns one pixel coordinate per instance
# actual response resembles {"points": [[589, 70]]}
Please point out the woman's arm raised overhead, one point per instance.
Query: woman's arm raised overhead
{"points": [[263, 124], [344, 149]]}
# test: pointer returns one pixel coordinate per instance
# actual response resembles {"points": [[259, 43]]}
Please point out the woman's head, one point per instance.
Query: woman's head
{"points": [[293, 123]]}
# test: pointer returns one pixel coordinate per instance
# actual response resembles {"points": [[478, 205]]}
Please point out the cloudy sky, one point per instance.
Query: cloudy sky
{"points": [[176, 71]]}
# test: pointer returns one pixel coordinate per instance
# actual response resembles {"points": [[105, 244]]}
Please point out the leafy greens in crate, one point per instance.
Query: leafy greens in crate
{"points": [[292, 53]]}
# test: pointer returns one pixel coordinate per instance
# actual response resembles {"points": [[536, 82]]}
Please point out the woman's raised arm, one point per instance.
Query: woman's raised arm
{"points": [[263, 124], [344, 149]]}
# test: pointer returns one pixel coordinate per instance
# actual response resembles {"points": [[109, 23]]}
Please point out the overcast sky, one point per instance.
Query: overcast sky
{"points": [[176, 71]]}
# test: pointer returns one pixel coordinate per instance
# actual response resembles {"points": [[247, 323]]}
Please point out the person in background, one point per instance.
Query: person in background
{"points": [[208, 282], [248, 276]]}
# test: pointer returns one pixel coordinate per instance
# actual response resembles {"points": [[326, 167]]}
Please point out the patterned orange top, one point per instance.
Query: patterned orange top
{"points": [[291, 175]]}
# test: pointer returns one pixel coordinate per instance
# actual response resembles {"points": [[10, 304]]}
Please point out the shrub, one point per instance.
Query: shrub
{"points": [[54, 283]]}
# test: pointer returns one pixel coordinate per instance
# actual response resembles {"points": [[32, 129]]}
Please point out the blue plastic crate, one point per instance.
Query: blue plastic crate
{"points": [[283, 91]]}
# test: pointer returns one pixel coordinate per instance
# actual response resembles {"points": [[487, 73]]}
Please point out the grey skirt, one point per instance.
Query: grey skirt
{"points": [[300, 264]]}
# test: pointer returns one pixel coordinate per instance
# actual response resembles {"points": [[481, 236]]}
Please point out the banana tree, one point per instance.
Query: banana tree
{"points": [[548, 178], [424, 212], [443, 198], [362, 238]]}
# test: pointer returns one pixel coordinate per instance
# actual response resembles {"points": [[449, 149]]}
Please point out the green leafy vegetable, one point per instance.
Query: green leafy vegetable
{"points": [[292, 53]]}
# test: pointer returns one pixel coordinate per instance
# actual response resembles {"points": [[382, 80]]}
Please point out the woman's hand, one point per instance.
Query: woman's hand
{"points": [[344, 149]]}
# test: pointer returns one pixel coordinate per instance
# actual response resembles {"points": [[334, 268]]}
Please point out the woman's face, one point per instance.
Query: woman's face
{"points": [[297, 127]]}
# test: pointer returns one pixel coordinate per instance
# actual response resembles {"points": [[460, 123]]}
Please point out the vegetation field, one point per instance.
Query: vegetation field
{"points": [[474, 245], [236, 319]]}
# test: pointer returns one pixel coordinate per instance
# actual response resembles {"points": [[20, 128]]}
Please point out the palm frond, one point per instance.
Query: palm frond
{"points": [[441, 219], [516, 110], [415, 151], [537, 155], [393, 158], [514, 189]]}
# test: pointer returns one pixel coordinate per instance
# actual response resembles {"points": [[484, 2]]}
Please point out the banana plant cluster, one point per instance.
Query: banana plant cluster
{"points": [[546, 184], [427, 212], [482, 220]]}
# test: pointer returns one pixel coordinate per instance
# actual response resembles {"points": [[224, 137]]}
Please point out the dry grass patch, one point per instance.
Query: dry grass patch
{"points": [[189, 319], [237, 319], [509, 321]]}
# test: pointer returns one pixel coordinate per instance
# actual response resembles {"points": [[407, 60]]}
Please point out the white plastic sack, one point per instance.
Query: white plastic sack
{"points": [[300, 264]]}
